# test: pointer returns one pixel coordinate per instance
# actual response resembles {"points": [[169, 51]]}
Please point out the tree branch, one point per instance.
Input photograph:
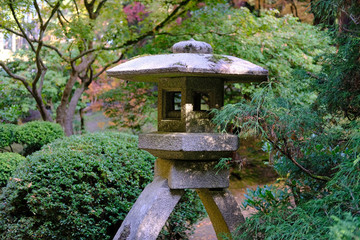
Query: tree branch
{"points": [[38, 13], [55, 9], [19, 26], [108, 65], [172, 15], [77, 8], [61, 55], [308, 172], [97, 11], [17, 77]]}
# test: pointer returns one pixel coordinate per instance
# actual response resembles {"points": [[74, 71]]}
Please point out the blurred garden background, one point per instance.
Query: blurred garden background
{"points": [[70, 167]]}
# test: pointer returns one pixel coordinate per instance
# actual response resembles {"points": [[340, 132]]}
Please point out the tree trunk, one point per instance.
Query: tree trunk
{"points": [[45, 115], [82, 120], [63, 116]]}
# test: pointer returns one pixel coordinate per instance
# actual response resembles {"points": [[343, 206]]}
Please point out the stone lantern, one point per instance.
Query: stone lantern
{"points": [[190, 83]]}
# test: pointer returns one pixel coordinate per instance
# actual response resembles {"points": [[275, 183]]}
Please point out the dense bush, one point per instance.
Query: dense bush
{"points": [[7, 135], [79, 188], [36, 134], [8, 164], [335, 216]]}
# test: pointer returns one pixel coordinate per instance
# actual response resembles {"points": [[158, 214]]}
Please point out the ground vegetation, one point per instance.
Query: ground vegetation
{"points": [[82, 187]]}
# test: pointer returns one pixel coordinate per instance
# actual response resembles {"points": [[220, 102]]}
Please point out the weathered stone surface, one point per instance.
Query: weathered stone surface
{"points": [[152, 68], [190, 118], [192, 46], [187, 174], [189, 146], [150, 212], [223, 211], [188, 141]]}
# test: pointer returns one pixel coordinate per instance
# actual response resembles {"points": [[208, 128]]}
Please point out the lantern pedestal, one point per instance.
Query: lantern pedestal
{"points": [[155, 204]]}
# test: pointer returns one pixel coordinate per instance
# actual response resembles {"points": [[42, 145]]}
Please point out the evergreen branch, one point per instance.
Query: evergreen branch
{"points": [[302, 168]]}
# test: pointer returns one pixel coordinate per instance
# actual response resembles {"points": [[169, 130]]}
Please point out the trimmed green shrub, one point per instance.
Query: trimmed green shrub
{"points": [[79, 187], [36, 134], [8, 164], [7, 134]]}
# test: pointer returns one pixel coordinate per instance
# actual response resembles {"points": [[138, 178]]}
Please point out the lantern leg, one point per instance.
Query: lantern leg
{"points": [[223, 211], [150, 212]]}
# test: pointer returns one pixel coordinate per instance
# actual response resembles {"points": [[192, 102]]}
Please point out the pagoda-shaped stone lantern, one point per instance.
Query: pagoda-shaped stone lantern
{"points": [[190, 83]]}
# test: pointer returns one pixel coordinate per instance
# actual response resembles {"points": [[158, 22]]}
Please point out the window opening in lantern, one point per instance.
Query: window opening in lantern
{"points": [[173, 105], [201, 102]]}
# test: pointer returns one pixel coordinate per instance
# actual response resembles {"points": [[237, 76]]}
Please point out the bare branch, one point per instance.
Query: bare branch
{"points": [[38, 13], [89, 8], [97, 11], [42, 77], [172, 15], [34, 40], [16, 77], [77, 8], [62, 15], [39, 65], [20, 27], [12, 31], [108, 65], [84, 53], [57, 51], [55, 9], [156, 29]]}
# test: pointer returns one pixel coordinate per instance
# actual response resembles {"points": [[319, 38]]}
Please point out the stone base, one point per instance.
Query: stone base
{"points": [[150, 212], [186, 174], [189, 146], [223, 211]]}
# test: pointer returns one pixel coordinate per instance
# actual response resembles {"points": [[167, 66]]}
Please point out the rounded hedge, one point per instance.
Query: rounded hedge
{"points": [[7, 134], [79, 187], [36, 134], [8, 164]]}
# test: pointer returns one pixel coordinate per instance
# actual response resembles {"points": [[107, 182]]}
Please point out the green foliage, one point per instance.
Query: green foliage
{"points": [[7, 135], [187, 212], [266, 199], [340, 82], [314, 148], [130, 105], [36, 134], [346, 228], [8, 164], [334, 216], [15, 100], [81, 187], [269, 41]]}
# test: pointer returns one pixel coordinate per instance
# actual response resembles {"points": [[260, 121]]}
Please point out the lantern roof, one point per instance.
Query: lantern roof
{"points": [[190, 58]]}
